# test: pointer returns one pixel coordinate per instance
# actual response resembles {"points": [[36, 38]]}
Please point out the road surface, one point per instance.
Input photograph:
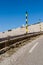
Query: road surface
{"points": [[30, 54]]}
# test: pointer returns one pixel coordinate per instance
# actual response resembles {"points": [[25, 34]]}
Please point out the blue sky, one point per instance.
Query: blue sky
{"points": [[12, 13]]}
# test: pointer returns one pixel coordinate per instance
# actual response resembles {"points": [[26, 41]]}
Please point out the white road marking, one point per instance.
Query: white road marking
{"points": [[33, 47]]}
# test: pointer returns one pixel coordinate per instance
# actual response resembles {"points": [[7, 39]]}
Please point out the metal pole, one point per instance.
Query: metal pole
{"points": [[40, 27], [26, 22], [40, 24]]}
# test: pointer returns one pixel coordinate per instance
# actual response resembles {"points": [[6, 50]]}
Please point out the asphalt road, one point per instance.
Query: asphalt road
{"points": [[30, 54], [33, 55]]}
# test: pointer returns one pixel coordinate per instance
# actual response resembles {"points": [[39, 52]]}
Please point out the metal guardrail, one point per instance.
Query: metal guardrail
{"points": [[4, 45], [13, 37]]}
